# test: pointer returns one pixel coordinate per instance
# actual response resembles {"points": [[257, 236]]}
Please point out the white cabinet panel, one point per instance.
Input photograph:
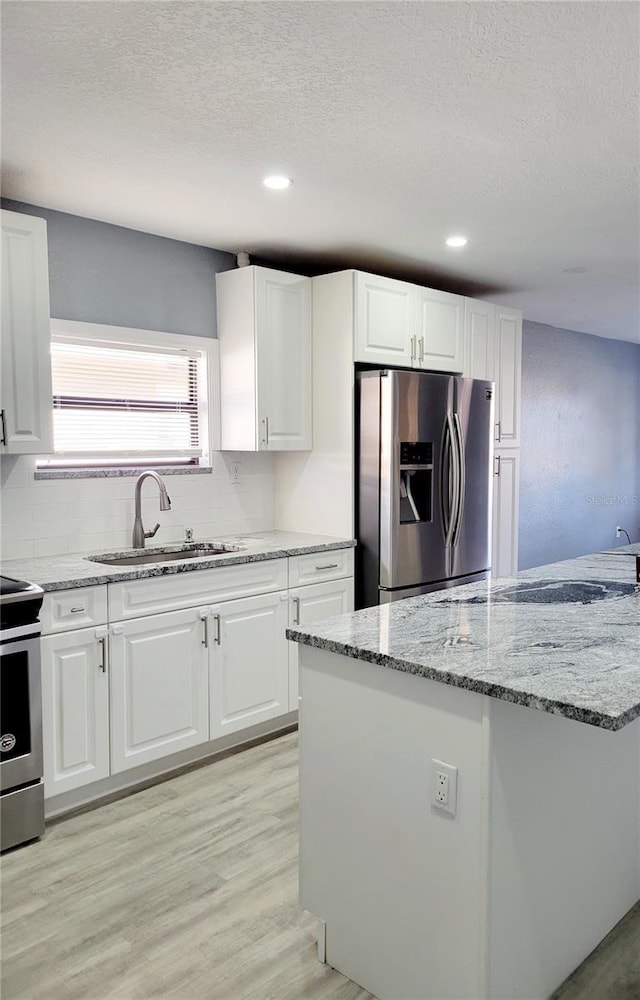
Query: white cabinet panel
{"points": [[320, 566], [439, 330], [505, 513], [313, 604], [75, 710], [264, 331], [249, 668], [65, 610], [508, 376], [25, 375], [283, 328], [384, 320], [159, 687], [480, 340], [137, 598]]}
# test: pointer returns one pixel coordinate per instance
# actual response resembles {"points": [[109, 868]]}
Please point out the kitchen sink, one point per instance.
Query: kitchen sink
{"points": [[555, 592], [138, 557]]}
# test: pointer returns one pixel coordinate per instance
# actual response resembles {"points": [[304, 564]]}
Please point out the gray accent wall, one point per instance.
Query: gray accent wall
{"points": [[99, 273], [580, 470]]}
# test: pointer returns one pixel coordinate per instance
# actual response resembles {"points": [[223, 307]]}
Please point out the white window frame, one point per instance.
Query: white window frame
{"points": [[70, 330]]}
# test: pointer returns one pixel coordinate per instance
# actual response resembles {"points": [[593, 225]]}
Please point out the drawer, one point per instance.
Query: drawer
{"points": [[63, 610], [318, 566], [158, 594]]}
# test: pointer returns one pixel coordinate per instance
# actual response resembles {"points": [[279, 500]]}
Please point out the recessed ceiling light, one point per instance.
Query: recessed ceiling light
{"points": [[457, 241], [277, 182]]}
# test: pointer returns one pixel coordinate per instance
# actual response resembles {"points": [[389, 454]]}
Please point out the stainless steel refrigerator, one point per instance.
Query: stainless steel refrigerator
{"points": [[424, 464]]}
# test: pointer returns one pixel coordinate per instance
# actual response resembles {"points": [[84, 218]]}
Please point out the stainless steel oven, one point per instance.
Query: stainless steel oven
{"points": [[21, 782]]}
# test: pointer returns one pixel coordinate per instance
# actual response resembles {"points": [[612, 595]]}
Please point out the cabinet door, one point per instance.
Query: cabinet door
{"points": [[75, 710], [479, 340], [313, 604], [439, 330], [249, 671], [508, 365], [27, 402], [505, 513], [384, 320], [283, 332], [159, 687]]}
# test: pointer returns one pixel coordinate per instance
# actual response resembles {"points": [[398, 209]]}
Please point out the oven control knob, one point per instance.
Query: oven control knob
{"points": [[7, 742]]}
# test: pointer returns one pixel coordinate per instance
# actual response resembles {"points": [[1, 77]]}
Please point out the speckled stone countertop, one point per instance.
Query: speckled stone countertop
{"points": [[77, 570], [562, 638]]}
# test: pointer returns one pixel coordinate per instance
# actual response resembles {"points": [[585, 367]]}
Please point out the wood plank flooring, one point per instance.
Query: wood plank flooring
{"points": [[189, 889]]}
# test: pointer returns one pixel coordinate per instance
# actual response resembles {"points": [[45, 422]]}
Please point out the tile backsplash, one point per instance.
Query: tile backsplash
{"points": [[54, 516]]}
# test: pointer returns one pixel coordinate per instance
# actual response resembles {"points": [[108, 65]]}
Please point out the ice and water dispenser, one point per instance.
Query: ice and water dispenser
{"points": [[416, 481]]}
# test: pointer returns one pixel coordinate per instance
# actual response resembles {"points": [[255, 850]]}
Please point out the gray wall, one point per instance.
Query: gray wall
{"points": [[580, 474], [100, 273]]}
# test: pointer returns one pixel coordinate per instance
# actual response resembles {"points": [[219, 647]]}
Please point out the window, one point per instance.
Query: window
{"points": [[129, 398]]}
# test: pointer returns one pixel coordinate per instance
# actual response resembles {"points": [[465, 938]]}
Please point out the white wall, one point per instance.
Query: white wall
{"points": [[54, 516]]}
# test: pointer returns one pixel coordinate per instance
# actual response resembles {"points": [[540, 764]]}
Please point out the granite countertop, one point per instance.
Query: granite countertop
{"points": [[562, 638], [65, 572]]}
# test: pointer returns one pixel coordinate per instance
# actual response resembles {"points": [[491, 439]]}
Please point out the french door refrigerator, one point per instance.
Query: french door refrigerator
{"points": [[424, 457]]}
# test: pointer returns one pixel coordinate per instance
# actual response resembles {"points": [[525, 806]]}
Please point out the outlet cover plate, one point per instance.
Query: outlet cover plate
{"points": [[444, 786]]}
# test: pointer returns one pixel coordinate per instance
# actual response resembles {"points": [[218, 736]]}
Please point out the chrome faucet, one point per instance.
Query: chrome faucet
{"points": [[139, 534]]}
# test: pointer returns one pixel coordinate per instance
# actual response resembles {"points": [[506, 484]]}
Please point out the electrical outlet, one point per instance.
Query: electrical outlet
{"points": [[444, 786], [235, 471]]}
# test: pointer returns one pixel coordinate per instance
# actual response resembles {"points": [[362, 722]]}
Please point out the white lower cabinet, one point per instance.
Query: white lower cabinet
{"points": [[248, 666], [126, 693], [159, 687], [75, 709], [313, 604], [505, 512]]}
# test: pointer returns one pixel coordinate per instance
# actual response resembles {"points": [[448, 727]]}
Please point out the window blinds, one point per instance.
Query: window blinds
{"points": [[120, 402]]}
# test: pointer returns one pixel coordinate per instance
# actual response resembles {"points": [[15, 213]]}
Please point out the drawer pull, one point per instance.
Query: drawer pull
{"points": [[76, 611], [328, 566]]}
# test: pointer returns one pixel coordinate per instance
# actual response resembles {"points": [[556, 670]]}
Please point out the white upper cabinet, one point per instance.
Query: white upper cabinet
{"points": [[397, 323], [384, 318], [480, 340], [493, 347], [26, 401], [508, 374], [264, 329], [439, 330]]}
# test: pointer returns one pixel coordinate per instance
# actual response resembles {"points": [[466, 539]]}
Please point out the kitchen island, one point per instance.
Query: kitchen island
{"points": [[530, 687]]}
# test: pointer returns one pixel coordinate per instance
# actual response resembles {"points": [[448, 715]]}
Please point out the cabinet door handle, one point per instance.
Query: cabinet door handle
{"points": [[421, 355], [3, 421], [265, 436], [102, 665], [216, 637], [327, 566], [496, 465], [296, 610], [413, 348], [205, 636], [499, 431]]}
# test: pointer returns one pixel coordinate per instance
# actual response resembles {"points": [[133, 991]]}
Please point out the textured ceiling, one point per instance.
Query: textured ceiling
{"points": [[401, 123]]}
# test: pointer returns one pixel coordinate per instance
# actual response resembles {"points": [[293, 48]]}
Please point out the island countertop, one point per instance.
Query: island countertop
{"points": [[561, 638]]}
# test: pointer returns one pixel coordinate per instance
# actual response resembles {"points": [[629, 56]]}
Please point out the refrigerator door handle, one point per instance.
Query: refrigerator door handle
{"points": [[449, 487], [460, 460]]}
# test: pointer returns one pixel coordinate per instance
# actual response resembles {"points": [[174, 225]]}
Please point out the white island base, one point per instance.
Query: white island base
{"points": [[502, 900]]}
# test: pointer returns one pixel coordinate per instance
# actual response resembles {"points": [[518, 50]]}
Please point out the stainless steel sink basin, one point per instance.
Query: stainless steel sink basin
{"points": [[137, 557]]}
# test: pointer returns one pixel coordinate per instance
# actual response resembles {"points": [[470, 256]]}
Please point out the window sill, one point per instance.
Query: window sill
{"points": [[177, 470]]}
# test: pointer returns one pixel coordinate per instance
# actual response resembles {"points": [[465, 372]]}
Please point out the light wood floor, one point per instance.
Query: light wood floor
{"points": [[189, 889]]}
